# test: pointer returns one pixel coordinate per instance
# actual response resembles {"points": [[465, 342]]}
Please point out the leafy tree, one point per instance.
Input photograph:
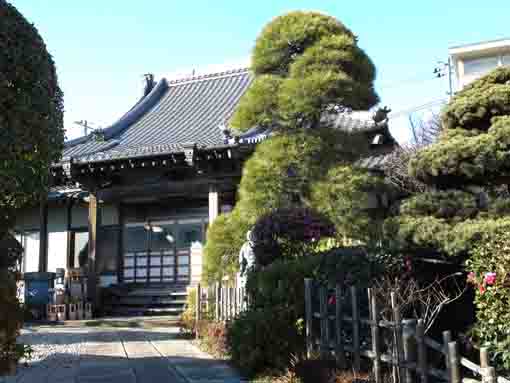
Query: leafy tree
{"points": [[467, 172], [306, 64], [308, 68], [31, 114], [31, 137]]}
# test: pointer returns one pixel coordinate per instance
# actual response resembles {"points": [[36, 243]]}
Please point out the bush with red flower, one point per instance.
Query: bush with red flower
{"points": [[287, 233], [489, 267]]}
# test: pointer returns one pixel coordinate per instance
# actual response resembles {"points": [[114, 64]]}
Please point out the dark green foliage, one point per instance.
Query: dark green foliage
{"points": [[474, 147], [451, 204], [288, 233], [465, 166], [31, 138], [305, 64], [287, 165], [31, 114], [475, 106], [492, 255], [225, 238], [346, 195], [262, 339], [272, 330]]}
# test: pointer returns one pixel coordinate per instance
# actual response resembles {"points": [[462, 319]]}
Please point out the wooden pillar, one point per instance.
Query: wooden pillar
{"points": [[214, 203], [43, 235], [94, 227]]}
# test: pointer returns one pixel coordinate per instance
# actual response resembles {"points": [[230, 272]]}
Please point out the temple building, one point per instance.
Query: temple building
{"points": [[131, 203]]}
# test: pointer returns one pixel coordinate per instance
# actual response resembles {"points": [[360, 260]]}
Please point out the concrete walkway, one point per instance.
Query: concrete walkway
{"points": [[116, 355]]}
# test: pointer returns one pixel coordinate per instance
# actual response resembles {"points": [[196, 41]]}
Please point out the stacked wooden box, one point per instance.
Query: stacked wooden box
{"points": [[74, 306]]}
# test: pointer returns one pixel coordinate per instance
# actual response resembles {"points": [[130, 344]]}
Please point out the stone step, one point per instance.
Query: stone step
{"points": [[149, 300], [146, 311]]}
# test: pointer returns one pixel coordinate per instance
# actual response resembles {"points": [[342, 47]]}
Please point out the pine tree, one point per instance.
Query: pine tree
{"points": [[468, 170], [306, 64]]}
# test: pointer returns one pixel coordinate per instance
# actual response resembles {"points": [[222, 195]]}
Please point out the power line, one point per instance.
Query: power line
{"points": [[399, 84], [417, 108]]}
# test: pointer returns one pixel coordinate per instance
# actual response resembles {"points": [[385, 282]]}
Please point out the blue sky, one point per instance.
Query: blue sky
{"points": [[102, 48]]}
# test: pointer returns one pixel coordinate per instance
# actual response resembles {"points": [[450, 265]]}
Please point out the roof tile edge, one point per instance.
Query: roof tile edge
{"points": [[130, 117], [209, 76]]}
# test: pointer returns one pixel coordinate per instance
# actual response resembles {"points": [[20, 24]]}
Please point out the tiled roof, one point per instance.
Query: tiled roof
{"points": [[179, 112], [174, 113]]}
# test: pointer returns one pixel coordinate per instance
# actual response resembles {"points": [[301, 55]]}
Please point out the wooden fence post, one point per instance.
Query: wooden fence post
{"points": [[355, 329], [217, 293], [198, 308], [339, 349], [491, 375], [223, 304], [397, 331], [422, 351], [323, 298], [308, 317], [376, 346], [488, 372], [454, 362], [409, 341], [447, 338]]}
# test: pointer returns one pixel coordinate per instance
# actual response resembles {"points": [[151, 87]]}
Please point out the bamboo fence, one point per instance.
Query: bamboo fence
{"points": [[405, 351]]}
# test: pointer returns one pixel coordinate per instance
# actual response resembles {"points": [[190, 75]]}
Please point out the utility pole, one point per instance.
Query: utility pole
{"points": [[444, 68]]}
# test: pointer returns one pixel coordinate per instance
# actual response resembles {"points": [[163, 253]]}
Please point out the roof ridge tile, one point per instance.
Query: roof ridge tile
{"points": [[207, 76]]}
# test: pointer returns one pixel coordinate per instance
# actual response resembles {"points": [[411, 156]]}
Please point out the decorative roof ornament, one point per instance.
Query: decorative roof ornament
{"points": [[149, 83], [381, 115], [225, 131]]}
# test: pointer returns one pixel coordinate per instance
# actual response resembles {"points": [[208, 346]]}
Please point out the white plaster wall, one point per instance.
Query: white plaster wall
{"points": [[196, 264], [57, 237], [31, 255]]}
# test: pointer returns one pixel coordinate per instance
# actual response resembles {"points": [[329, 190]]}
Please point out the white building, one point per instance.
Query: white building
{"points": [[472, 61]]}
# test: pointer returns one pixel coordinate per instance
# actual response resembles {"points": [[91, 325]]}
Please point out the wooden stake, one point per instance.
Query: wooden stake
{"points": [[454, 362], [217, 302], [355, 329], [308, 317], [323, 297], [376, 347], [339, 349], [422, 351]]}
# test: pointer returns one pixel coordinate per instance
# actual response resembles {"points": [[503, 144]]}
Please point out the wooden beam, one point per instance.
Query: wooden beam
{"points": [[43, 235], [94, 228]]}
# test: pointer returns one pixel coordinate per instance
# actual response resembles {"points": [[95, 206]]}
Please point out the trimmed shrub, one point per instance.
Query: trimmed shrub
{"points": [[288, 233], [263, 338], [268, 334]]}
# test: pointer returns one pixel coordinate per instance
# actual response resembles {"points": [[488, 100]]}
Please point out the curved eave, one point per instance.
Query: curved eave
{"points": [[140, 108]]}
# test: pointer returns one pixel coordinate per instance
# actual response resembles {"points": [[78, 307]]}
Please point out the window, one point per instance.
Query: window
{"points": [[30, 242], [505, 59], [480, 66], [79, 248]]}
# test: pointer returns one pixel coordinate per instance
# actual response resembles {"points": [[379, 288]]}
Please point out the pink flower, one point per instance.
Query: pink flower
{"points": [[481, 288], [490, 278], [471, 277]]}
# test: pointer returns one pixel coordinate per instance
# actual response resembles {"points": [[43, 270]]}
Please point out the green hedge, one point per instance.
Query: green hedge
{"points": [[266, 336]]}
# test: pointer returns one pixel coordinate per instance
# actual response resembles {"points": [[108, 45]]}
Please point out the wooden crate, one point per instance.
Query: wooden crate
{"points": [[72, 311], [88, 311]]}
